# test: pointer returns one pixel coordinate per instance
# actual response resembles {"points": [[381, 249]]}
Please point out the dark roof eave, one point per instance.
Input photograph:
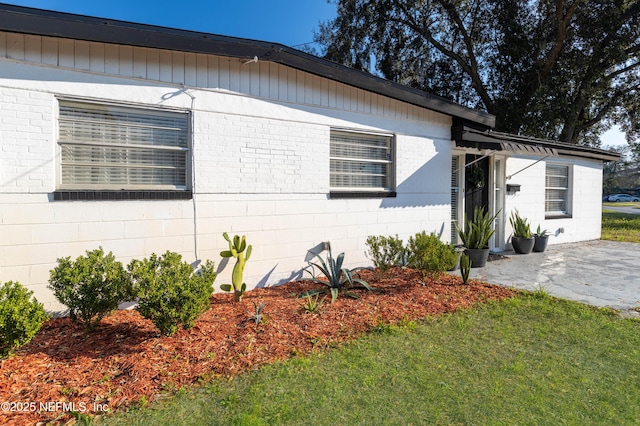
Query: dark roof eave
{"points": [[468, 135], [57, 24]]}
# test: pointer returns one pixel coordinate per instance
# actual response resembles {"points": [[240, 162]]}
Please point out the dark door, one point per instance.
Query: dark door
{"points": [[476, 179]]}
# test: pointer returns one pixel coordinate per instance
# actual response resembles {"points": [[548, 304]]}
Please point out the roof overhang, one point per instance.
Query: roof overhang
{"points": [[466, 137], [26, 20]]}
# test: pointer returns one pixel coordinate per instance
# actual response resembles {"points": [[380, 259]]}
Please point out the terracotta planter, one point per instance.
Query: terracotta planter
{"points": [[541, 243], [478, 257], [522, 245]]}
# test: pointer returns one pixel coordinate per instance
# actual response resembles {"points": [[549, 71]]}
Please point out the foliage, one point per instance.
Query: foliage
{"points": [[237, 249], [313, 304], [21, 316], [465, 268], [478, 231], [258, 316], [520, 225], [91, 286], [541, 232], [622, 175], [618, 226], [525, 62], [337, 278], [170, 292], [386, 252], [429, 255]]}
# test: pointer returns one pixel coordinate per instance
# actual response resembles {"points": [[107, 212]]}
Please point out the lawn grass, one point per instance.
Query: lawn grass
{"points": [[528, 360], [617, 226]]}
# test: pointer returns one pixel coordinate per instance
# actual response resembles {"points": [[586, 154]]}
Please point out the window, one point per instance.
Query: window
{"points": [[361, 163], [557, 189], [109, 147]]}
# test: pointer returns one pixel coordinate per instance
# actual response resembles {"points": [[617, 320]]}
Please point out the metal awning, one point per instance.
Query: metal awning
{"points": [[466, 137], [513, 147]]}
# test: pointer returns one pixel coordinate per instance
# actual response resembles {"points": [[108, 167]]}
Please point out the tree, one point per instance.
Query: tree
{"points": [[556, 69], [622, 175]]}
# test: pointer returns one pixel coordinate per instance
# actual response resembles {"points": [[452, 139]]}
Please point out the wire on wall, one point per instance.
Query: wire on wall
{"points": [[193, 173]]}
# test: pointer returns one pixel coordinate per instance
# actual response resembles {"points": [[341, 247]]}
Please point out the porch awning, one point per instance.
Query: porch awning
{"points": [[467, 137]]}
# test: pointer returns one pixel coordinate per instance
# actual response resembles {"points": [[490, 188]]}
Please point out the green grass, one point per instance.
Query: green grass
{"points": [[528, 360], [618, 226]]}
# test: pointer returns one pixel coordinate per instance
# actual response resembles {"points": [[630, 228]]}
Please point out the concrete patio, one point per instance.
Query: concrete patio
{"points": [[599, 273]]}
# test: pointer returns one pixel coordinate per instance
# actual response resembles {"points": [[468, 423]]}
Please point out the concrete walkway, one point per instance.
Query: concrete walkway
{"points": [[599, 273]]}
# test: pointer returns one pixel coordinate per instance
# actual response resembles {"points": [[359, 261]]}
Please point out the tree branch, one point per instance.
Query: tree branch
{"points": [[622, 71], [563, 22], [471, 68]]}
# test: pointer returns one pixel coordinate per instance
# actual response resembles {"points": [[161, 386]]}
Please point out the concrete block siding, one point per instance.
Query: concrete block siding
{"points": [[584, 198], [260, 167]]}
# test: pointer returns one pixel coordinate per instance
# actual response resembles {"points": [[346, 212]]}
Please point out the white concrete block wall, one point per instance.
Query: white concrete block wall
{"points": [[585, 198], [26, 119], [261, 168]]}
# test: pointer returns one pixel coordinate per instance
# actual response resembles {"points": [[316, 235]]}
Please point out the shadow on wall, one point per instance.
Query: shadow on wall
{"points": [[429, 185], [295, 275]]}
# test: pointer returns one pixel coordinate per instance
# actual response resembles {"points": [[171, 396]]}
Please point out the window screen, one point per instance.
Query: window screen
{"points": [[116, 147], [361, 161]]}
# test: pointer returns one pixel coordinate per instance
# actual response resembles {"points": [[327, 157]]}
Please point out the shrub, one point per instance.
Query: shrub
{"points": [[385, 252], [336, 279], [21, 316], [429, 255], [91, 286], [170, 292]]}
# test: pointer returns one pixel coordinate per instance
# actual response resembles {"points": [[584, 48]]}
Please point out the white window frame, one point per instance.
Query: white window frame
{"points": [[336, 158], [556, 213], [146, 156]]}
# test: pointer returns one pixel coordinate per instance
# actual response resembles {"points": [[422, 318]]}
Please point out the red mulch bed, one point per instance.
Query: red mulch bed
{"points": [[125, 361]]}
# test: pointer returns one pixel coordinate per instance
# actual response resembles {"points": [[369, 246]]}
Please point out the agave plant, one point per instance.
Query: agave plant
{"points": [[465, 268], [259, 316], [336, 279], [541, 232]]}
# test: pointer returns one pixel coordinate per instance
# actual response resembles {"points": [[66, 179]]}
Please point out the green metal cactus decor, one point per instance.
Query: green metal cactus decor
{"points": [[237, 249]]}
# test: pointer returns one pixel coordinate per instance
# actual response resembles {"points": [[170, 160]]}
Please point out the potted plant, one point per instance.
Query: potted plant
{"points": [[475, 236], [522, 240], [541, 239]]}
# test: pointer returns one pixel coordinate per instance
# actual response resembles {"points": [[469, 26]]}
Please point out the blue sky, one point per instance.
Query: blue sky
{"points": [[289, 22]]}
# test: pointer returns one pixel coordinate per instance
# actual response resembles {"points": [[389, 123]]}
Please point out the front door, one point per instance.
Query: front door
{"points": [[477, 184], [477, 181]]}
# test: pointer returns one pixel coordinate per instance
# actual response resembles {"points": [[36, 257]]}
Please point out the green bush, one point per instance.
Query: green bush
{"points": [[21, 316], [91, 286], [429, 255], [170, 293], [386, 252]]}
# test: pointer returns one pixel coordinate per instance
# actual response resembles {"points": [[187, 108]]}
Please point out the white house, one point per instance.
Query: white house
{"points": [[143, 139]]}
